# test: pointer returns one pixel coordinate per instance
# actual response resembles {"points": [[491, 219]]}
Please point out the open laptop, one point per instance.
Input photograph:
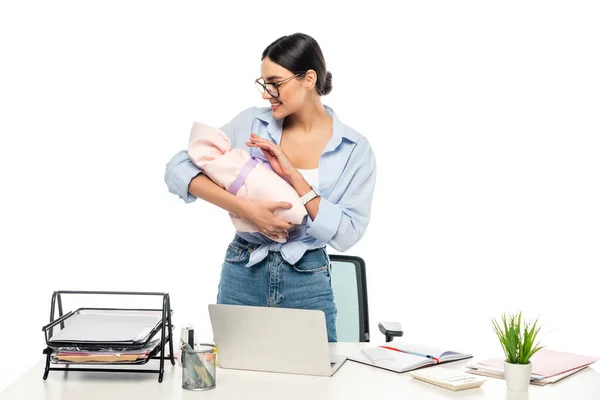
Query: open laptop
{"points": [[273, 339]]}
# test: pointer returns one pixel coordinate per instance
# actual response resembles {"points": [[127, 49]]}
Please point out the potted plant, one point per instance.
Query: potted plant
{"points": [[518, 340]]}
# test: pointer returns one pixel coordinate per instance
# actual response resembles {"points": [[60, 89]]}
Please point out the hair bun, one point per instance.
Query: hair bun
{"points": [[326, 88], [299, 53]]}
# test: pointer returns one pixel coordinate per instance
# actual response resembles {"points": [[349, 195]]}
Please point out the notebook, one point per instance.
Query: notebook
{"points": [[447, 378], [403, 357]]}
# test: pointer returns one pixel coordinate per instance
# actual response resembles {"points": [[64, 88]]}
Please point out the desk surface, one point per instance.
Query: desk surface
{"points": [[351, 381]]}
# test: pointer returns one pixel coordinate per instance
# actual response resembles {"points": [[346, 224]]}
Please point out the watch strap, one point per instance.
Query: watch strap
{"points": [[308, 197]]}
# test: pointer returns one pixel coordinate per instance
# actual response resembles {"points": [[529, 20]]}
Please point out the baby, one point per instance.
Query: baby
{"points": [[242, 175]]}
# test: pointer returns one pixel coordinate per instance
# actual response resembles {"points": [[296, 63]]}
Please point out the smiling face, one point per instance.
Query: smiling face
{"points": [[292, 93]]}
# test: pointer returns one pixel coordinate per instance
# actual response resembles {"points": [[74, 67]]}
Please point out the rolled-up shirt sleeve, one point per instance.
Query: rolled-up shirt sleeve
{"points": [[180, 169], [179, 173], [342, 223]]}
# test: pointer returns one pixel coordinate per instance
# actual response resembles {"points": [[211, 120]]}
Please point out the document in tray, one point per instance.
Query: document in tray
{"points": [[106, 326], [106, 358], [82, 355], [403, 357]]}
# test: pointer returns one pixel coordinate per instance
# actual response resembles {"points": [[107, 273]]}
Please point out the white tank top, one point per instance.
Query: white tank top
{"points": [[311, 176]]}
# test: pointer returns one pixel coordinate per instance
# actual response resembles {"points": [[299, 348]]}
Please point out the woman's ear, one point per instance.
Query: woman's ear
{"points": [[310, 79]]}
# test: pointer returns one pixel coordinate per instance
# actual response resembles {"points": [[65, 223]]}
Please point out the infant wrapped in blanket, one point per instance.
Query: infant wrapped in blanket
{"points": [[242, 175]]}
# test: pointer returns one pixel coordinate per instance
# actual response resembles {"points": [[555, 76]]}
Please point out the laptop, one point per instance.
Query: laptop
{"points": [[272, 339]]}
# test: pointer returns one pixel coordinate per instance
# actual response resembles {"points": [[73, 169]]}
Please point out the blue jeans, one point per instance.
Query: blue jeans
{"points": [[273, 282]]}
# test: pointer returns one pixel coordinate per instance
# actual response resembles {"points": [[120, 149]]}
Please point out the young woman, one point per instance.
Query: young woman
{"points": [[330, 165]]}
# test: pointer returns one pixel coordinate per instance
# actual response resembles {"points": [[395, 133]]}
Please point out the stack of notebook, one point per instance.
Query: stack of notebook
{"points": [[548, 366]]}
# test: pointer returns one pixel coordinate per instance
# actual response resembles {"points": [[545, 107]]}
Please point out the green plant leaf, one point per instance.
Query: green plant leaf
{"points": [[517, 338]]}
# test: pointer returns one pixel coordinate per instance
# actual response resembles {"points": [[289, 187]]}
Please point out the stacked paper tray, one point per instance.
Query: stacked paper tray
{"points": [[106, 336]]}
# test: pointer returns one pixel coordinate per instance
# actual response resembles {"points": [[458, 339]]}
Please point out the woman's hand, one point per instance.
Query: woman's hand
{"points": [[276, 156], [262, 214]]}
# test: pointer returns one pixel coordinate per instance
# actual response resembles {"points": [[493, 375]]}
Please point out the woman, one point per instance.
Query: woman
{"points": [[330, 166]]}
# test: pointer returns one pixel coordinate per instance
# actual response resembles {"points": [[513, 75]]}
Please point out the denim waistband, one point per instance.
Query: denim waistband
{"points": [[290, 251], [241, 240]]}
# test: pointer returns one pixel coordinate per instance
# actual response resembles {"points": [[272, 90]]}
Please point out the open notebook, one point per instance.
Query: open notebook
{"points": [[403, 357]]}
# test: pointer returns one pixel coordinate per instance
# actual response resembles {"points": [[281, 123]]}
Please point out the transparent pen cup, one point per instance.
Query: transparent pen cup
{"points": [[198, 365]]}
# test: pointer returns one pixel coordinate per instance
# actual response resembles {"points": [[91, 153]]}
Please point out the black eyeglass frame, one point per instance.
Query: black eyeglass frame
{"points": [[264, 85]]}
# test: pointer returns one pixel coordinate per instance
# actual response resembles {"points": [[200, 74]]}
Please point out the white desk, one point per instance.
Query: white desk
{"points": [[351, 381]]}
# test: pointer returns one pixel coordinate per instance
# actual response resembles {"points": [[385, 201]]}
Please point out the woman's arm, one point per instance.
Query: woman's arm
{"points": [[181, 170], [342, 221], [302, 187], [284, 168], [339, 221], [261, 213], [204, 188], [188, 182]]}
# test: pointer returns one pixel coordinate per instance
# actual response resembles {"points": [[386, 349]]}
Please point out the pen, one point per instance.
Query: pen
{"points": [[191, 337], [411, 352], [461, 378]]}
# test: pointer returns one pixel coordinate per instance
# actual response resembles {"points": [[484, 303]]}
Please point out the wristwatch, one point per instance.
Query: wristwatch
{"points": [[310, 195]]}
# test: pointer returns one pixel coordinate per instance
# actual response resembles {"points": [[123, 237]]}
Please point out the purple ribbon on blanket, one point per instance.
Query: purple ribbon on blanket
{"points": [[244, 173]]}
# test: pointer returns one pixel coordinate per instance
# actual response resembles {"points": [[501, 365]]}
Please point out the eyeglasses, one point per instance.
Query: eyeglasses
{"points": [[272, 87]]}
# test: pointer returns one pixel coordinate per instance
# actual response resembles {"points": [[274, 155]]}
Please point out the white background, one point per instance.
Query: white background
{"points": [[484, 118]]}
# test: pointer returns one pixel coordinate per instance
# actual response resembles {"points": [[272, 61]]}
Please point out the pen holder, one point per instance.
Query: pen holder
{"points": [[198, 367]]}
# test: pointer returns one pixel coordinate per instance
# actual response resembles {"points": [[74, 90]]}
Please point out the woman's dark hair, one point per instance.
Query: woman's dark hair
{"points": [[299, 53]]}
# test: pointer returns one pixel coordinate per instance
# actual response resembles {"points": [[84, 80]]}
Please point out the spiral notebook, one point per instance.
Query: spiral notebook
{"points": [[403, 357]]}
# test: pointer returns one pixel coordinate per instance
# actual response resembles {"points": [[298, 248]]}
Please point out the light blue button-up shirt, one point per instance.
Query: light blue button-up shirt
{"points": [[347, 173]]}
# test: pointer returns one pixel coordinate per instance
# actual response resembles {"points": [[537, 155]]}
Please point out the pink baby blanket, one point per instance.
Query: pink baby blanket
{"points": [[242, 175]]}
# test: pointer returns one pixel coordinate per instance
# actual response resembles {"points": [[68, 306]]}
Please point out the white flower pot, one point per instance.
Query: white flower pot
{"points": [[517, 376]]}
